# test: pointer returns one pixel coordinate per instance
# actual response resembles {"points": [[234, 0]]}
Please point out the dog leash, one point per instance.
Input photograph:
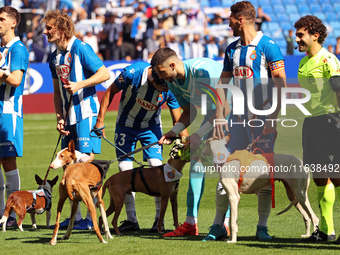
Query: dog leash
{"points": [[99, 133], [65, 81]]}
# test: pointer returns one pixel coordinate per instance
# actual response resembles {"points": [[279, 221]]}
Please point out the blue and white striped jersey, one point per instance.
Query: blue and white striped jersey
{"points": [[78, 62], [201, 77], [252, 64], [16, 58], [140, 104]]}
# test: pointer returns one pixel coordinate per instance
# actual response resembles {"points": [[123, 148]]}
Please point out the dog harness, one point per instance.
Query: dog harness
{"points": [[245, 157], [41, 193], [103, 167], [142, 178]]}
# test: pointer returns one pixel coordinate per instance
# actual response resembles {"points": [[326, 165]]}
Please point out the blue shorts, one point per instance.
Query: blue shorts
{"points": [[80, 134], [126, 139], [242, 136], [11, 135]]}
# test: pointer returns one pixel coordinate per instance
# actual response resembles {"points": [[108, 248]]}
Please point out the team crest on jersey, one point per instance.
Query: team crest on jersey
{"points": [[69, 58], [146, 105], [63, 70], [253, 55], [243, 72]]}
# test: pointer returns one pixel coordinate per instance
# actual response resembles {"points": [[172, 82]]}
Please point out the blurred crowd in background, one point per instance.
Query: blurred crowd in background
{"points": [[135, 29]]}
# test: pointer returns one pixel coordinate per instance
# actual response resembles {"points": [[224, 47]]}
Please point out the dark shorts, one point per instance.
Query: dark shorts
{"points": [[321, 145]]}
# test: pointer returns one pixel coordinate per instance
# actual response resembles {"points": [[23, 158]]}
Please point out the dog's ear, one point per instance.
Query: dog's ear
{"points": [[54, 181], [38, 180], [227, 138], [71, 146]]}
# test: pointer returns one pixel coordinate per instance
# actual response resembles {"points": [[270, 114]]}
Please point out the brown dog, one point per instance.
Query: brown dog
{"points": [[33, 202], [150, 181], [79, 183]]}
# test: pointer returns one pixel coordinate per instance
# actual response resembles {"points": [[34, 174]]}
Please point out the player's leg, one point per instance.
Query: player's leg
{"points": [[125, 140], [11, 139], [318, 152], [153, 156]]}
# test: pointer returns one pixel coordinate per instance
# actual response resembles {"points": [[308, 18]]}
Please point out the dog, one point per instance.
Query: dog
{"points": [[33, 202], [160, 181], [294, 177], [80, 182]]}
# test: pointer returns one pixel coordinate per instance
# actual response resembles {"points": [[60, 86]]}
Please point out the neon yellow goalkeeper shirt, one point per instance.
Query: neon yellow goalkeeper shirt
{"points": [[314, 74]]}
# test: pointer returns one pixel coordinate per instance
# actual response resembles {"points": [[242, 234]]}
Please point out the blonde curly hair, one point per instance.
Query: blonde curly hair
{"points": [[62, 22]]}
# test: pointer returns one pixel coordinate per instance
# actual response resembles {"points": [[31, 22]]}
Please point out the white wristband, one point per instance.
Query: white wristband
{"points": [[178, 128], [205, 129]]}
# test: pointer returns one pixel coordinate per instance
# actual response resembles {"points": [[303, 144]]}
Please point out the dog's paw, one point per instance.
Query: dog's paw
{"points": [[231, 241], [305, 236], [34, 226], [53, 242], [104, 241]]}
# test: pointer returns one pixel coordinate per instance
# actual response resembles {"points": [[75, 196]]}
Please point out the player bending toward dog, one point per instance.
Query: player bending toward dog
{"points": [[139, 119]]}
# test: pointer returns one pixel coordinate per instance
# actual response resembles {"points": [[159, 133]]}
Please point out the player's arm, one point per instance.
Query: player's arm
{"points": [[11, 78], [100, 76], [188, 114], [279, 78], [59, 108], [222, 110], [104, 105], [335, 83], [175, 115]]}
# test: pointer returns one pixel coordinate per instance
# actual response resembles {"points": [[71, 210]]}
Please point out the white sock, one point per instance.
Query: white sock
{"points": [[12, 184], [221, 201], [158, 206], [78, 213], [226, 221], [191, 220], [130, 208], [156, 162], [264, 198], [2, 193]]}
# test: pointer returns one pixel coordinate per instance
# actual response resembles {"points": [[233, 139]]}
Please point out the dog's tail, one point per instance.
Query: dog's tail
{"points": [[293, 202]]}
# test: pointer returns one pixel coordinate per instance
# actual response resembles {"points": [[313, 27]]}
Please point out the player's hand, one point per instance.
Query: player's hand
{"points": [[269, 127], [61, 127], [220, 127], [72, 87], [101, 132], [165, 138]]}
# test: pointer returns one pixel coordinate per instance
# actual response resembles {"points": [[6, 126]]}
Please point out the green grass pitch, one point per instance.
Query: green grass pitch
{"points": [[40, 138]]}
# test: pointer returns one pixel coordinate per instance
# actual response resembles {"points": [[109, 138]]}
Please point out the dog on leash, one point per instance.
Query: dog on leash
{"points": [[33, 202], [235, 181], [161, 181], [80, 182]]}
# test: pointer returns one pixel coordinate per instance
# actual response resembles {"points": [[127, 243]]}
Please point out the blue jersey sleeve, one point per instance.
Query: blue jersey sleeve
{"points": [[52, 66], [19, 58], [171, 101], [228, 62], [272, 52], [89, 59]]}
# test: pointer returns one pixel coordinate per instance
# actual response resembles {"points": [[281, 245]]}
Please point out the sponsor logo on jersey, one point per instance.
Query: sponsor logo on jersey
{"points": [[63, 70], [83, 139], [242, 72], [146, 105]]}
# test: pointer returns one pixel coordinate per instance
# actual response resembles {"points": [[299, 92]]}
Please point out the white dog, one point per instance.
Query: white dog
{"points": [[238, 177]]}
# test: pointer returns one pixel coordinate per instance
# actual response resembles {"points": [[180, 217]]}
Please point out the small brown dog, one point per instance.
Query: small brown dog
{"points": [[80, 182], [33, 202], [155, 181]]}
